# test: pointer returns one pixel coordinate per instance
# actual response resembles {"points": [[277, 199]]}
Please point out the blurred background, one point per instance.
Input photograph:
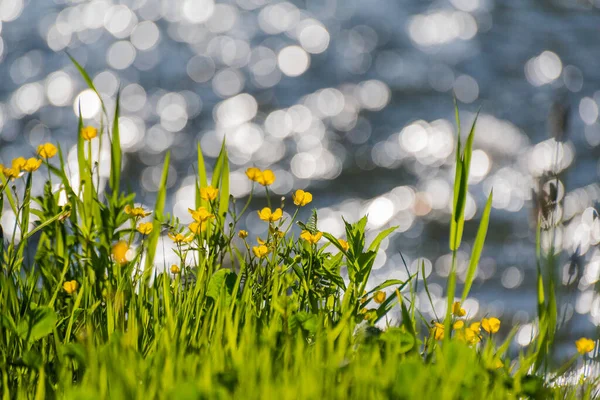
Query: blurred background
{"points": [[352, 100]]}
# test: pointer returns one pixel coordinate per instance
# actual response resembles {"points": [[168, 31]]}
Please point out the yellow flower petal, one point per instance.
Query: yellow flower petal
{"points": [[47, 150], [89, 132], [585, 345]]}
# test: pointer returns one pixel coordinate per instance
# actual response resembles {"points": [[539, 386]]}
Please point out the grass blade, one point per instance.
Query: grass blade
{"points": [[478, 246], [158, 216]]}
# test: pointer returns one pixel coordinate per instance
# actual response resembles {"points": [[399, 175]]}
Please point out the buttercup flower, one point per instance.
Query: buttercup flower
{"points": [[11, 173], [475, 327], [438, 331], [457, 310], [32, 164], [471, 336], [490, 325], [585, 345], [174, 269], [180, 238], [344, 244], [270, 216], [197, 227], [309, 237], [46, 150], [379, 296], [137, 212], [201, 214], [145, 228], [89, 132], [260, 251], [19, 163], [301, 198], [266, 178], [458, 325], [253, 174], [119, 252], [209, 193], [243, 234], [70, 286]]}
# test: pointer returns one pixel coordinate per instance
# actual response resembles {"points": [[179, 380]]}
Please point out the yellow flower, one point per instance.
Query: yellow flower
{"points": [[89, 132], [174, 269], [253, 174], [490, 325], [32, 164], [46, 150], [180, 238], [344, 244], [119, 252], [458, 325], [457, 310], [145, 228], [201, 214], [11, 173], [309, 237], [270, 216], [301, 198], [209, 193], [19, 163], [260, 241], [243, 234], [137, 212], [260, 251], [70, 286], [379, 296], [475, 327], [438, 331], [197, 227], [266, 178], [585, 345], [471, 336]]}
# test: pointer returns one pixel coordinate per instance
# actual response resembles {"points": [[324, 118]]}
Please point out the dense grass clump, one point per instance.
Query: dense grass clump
{"points": [[90, 315]]}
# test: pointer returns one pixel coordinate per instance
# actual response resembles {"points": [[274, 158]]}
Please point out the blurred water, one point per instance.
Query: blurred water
{"points": [[350, 99]]}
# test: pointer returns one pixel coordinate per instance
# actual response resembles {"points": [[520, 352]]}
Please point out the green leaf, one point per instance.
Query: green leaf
{"points": [[224, 186], [202, 180], [389, 283], [158, 216], [478, 246], [115, 152], [221, 280], [380, 236], [40, 322], [304, 320], [87, 80]]}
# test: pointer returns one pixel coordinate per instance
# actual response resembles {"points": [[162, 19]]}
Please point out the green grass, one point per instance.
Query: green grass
{"points": [[83, 318]]}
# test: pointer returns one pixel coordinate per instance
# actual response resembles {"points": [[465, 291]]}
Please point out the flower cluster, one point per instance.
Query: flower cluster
{"points": [[265, 178], [472, 333], [19, 165]]}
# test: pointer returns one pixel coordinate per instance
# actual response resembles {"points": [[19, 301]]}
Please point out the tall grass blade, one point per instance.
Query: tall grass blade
{"points": [[158, 217], [115, 152], [478, 246]]}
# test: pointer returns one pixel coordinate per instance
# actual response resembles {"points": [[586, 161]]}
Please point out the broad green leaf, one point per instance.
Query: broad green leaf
{"points": [[380, 236], [478, 246], [39, 323], [220, 280], [389, 283]]}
